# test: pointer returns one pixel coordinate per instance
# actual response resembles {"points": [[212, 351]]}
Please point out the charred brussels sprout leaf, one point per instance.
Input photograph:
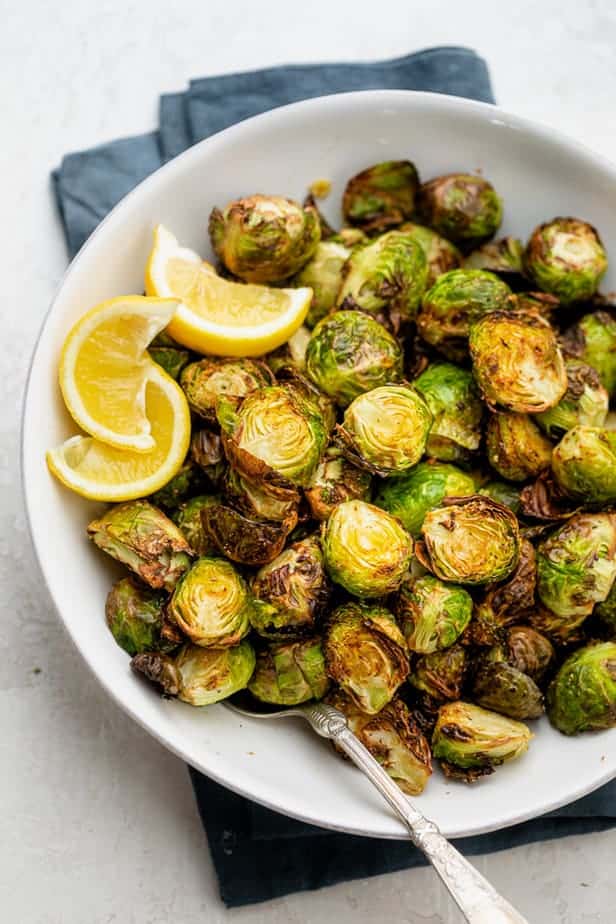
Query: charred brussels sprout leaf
{"points": [[565, 256], [171, 358], [385, 429], [254, 502], [517, 362], [381, 196], [584, 465], [515, 446], [431, 614], [336, 480], [135, 616], [582, 696], [206, 452], [593, 340], [441, 254], [188, 479], [503, 493], [145, 540], [470, 540], [585, 403], [529, 651], [453, 398], [243, 539], [293, 591], [264, 239], [211, 604], [463, 208], [365, 653], [366, 550], [441, 674], [289, 673], [350, 353], [410, 496], [503, 688], [188, 518], [504, 257], [323, 274], [576, 565], [468, 736], [205, 381]]}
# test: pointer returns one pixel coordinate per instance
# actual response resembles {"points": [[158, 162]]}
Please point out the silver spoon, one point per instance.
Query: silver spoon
{"points": [[478, 901]]}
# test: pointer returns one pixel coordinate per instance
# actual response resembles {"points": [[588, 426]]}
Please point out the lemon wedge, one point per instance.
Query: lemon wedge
{"points": [[102, 472], [218, 316], [104, 366]]}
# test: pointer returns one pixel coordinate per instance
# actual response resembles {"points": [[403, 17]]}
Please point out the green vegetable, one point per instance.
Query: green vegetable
{"points": [[290, 673], [584, 464], [515, 446], [381, 196], [468, 736], [582, 696], [453, 398], [463, 208], [565, 256], [432, 614], [134, 615], [410, 496], [211, 604]]}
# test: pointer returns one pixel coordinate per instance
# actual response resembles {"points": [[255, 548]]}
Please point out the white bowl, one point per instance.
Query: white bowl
{"points": [[287, 767]]}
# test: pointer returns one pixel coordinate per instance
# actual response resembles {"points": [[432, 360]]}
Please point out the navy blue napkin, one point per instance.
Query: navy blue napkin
{"points": [[259, 854]]}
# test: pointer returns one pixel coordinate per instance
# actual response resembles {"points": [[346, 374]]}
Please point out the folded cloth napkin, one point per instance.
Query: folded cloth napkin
{"points": [[259, 854]]}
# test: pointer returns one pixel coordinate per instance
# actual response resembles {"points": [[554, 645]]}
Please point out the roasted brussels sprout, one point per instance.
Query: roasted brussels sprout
{"points": [[211, 604], [504, 257], [206, 451], [516, 447], [385, 430], [468, 736], [585, 403], [606, 611], [463, 208], [179, 488], [441, 674], [293, 590], [584, 464], [582, 696], [251, 500], [168, 354], [517, 362], [276, 437], [381, 196], [203, 382], [199, 676], [507, 494], [134, 615], [431, 614], [529, 651], [561, 630], [388, 274], [289, 673], [264, 239], [336, 480], [440, 253], [565, 256], [453, 398], [323, 274], [505, 689], [243, 539], [456, 300], [365, 653], [470, 540], [145, 540], [188, 518], [292, 354], [393, 737], [576, 564], [506, 602], [366, 550], [350, 353], [410, 496], [593, 340]]}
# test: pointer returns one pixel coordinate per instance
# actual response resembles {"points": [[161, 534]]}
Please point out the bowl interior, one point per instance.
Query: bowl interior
{"points": [[282, 152]]}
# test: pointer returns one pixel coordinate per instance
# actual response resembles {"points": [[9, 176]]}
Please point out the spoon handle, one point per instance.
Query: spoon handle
{"points": [[478, 901]]}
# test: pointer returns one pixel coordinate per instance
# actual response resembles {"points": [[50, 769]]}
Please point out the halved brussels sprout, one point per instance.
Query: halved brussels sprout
{"points": [[264, 239], [211, 604], [293, 590], [576, 564], [505, 603], [134, 614], [206, 452], [504, 257], [292, 354], [168, 354], [456, 300], [251, 500], [388, 274], [470, 540], [385, 430], [585, 403], [441, 674], [393, 737], [204, 381], [431, 614], [289, 673], [565, 256], [365, 653], [517, 362], [463, 208], [145, 540], [188, 518], [441, 254], [276, 437], [381, 196], [366, 550], [350, 353], [199, 676], [335, 480], [505, 689], [243, 539], [503, 493], [410, 496], [584, 464], [582, 696], [292, 378], [593, 340], [188, 480], [606, 611], [529, 651], [468, 736], [516, 447], [323, 274], [453, 397]]}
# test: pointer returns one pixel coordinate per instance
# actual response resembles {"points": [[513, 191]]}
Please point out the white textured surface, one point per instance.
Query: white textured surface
{"points": [[98, 823]]}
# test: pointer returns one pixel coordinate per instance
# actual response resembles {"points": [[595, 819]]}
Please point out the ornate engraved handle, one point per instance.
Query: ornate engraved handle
{"points": [[478, 901]]}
